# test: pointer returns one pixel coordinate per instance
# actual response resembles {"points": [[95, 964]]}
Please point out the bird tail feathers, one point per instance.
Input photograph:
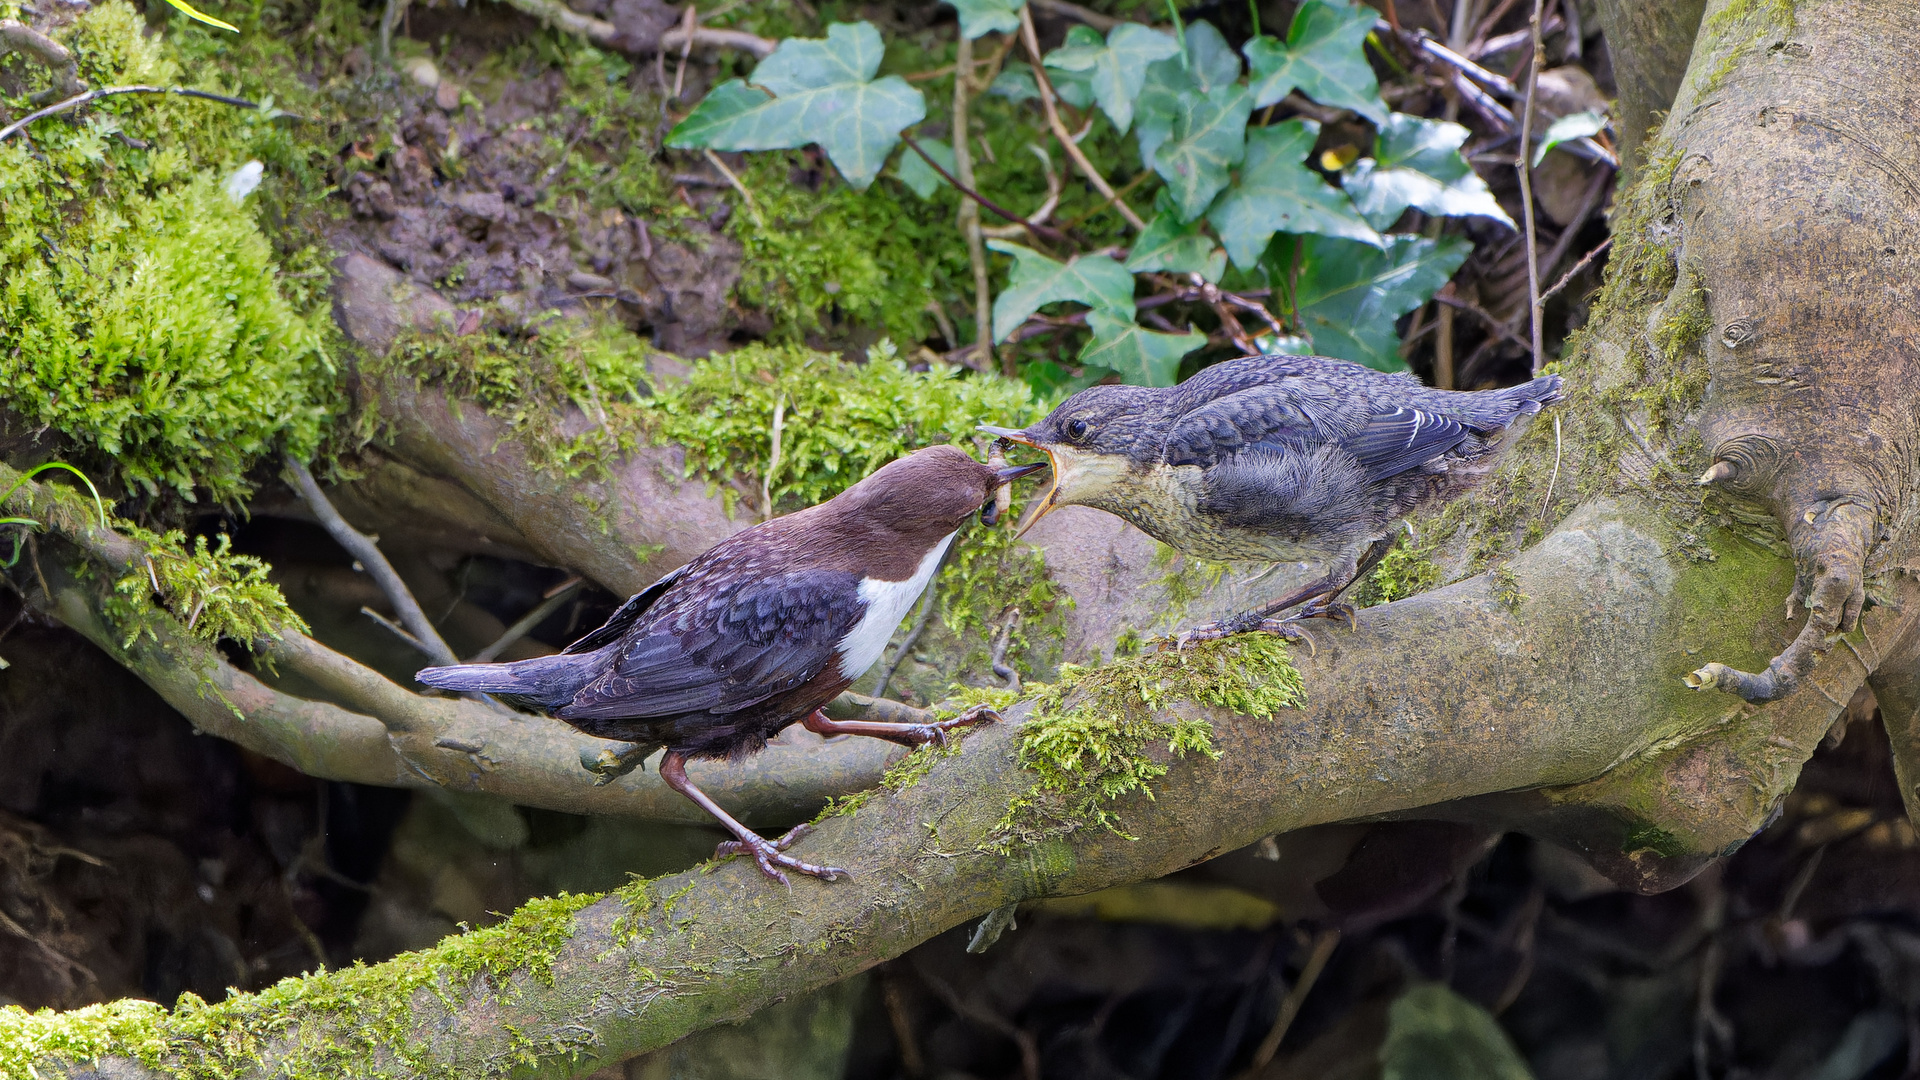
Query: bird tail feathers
{"points": [[544, 681]]}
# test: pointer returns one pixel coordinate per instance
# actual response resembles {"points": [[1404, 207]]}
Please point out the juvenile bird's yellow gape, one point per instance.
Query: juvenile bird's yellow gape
{"points": [[1277, 459]]}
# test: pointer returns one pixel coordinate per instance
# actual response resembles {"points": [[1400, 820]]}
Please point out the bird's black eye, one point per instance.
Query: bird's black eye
{"points": [[1076, 429]]}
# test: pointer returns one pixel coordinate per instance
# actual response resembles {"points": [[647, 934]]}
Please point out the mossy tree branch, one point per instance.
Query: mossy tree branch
{"points": [[1568, 657]]}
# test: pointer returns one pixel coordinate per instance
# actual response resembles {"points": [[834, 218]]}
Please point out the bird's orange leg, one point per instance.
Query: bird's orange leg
{"points": [[768, 854], [904, 734]]}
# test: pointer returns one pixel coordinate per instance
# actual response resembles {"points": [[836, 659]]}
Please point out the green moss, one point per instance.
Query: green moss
{"points": [[839, 258], [1652, 838], [1406, 570], [989, 576], [1736, 29], [1188, 579], [839, 421], [143, 313], [214, 592], [1506, 588], [1092, 736], [356, 1020]]}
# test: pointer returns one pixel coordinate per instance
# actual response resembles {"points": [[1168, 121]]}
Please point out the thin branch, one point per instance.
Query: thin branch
{"points": [[527, 622], [1060, 128], [746, 195], [16, 36], [111, 91], [1102, 23], [1044, 232], [1576, 268], [365, 550], [969, 216], [1323, 946], [1523, 164], [602, 32], [1501, 329]]}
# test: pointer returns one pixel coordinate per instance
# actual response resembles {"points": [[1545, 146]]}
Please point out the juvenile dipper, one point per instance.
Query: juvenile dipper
{"points": [[760, 631], [1276, 458]]}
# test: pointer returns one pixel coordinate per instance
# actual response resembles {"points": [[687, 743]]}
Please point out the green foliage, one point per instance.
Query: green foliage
{"points": [[872, 257], [921, 178], [1569, 128], [1116, 69], [1187, 101], [216, 593], [979, 17], [812, 91], [1094, 280], [1276, 192], [1435, 1034], [1321, 58], [1140, 356], [1177, 248], [840, 421], [1093, 735], [988, 574], [1207, 138], [1417, 163], [1348, 294], [143, 314]]}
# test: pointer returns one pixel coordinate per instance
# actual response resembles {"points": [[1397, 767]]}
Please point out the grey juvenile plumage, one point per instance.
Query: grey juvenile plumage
{"points": [[1276, 458]]}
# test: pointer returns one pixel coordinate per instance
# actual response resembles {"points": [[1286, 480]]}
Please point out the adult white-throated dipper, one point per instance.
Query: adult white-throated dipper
{"points": [[760, 631], [1277, 458]]}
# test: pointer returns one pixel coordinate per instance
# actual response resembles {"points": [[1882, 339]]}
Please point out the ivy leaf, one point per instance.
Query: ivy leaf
{"points": [[919, 176], [1322, 58], [1277, 193], [1168, 245], [1075, 85], [1349, 294], [1094, 280], [822, 91], [1417, 163], [1435, 1034], [1209, 64], [1116, 68], [1208, 138], [979, 17], [1210, 60], [1015, 83], [1570, 128], [1142, 357]]}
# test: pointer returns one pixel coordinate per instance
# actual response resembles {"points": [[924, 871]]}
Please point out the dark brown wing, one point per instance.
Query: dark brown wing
{"points": [[724, 651]]}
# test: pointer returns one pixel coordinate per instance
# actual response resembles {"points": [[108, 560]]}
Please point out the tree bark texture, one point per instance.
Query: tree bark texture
{"points": [[1761, 315]]}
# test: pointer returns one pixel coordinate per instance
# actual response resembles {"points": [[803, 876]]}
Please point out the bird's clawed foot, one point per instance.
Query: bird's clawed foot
{"points": [[1329, 609], [936, 732], [770, 855]]}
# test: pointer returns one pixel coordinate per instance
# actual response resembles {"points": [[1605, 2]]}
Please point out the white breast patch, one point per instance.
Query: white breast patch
{"points": [[887, 603]]}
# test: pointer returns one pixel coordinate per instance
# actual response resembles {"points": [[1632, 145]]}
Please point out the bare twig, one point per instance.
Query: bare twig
{"points": [[1102, 23], [987, 1018], [745, 195], [1060, 131], [1044, 232], [687, 27], [527, 622], [365, 550], [1038, 217], [773, 462], [602, 32], [1524, 165], [969, 216], [1575, 269], [111, 91], [1555, 477], [1499, 328], [1323, 946], [16, 36]]}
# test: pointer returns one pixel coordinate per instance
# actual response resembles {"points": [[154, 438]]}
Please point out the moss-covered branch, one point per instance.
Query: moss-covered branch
{"points": [[1578, 683]]}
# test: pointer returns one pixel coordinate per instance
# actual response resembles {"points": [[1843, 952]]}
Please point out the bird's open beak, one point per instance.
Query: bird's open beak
{"points": [[1053, 490], [1009, 475]]}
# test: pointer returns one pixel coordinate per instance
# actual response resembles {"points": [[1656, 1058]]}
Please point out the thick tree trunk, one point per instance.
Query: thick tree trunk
{"points": [[1759, 313]]}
